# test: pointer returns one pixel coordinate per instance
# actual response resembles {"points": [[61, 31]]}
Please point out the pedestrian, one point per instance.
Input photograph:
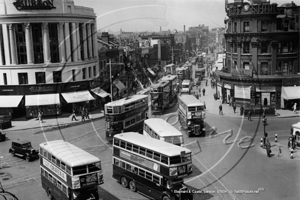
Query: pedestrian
{"points": [[242, 110], [82, 114], [268, 149], [87, 113], [249, 115], [203, 91], [220, 109], [40, 117], [73, 115], [234, 107], [295, 107]]}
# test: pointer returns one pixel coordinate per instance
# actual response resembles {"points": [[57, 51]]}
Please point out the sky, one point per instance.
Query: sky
{"points": [[150, 15]]}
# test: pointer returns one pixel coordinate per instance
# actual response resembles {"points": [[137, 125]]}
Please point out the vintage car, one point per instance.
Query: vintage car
{"points": [[24, 149]]}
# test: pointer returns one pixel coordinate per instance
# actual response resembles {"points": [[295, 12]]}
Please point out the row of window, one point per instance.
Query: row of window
{"points": [[135, 119], [37, 42], [40, 77], [265, 26], [55, 181], [94, 167], [127, 106], [150, 132], [141, 172]]}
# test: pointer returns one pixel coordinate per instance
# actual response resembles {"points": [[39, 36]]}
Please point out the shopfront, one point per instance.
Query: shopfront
{"points": [[242, 94], [265, 96], [228, 91], [289, 96], [8, 103]]}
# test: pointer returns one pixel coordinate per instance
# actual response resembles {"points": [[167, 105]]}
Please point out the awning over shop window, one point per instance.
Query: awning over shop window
{"points": [[151, 71], [10, 101], [41, 99], [290, 92], [266, 89], [101, 93], [80, 96], [119, 85]]}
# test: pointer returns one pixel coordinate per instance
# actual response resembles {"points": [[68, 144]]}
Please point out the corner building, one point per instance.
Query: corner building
{"points": [[48, 56], [262, 55]]}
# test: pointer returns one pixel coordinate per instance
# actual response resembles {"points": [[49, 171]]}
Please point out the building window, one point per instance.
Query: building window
{"points": [[235, 64], [4, 78], [21, 44], [246, 65], [37, 40], [234, 47], [73, 75], [40, 77], [264, 47], [246, 27], [53, 40], [83, 73], [264, 68], [235, 27], [88, 38], [90, 72], [57, 77], [264, 26], [285, 47], [92, 38], [246, 47], [71, 42], [94, 70], [23, 78], [81, 41]]}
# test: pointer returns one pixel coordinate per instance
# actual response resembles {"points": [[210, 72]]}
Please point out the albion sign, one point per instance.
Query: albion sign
{"points": [[33, 4]]}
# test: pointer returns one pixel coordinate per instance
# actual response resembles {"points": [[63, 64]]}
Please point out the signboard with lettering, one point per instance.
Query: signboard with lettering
{"points": [[140, 160], [241, 72], [55, 170], [242, 92], [88, 180], [34, 4]]}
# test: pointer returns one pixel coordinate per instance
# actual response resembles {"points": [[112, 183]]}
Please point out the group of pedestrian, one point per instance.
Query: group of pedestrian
{"points": [[84, 112]]}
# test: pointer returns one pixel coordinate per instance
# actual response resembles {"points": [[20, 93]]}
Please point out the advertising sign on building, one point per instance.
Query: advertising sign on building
{"points": [[242, 92]]}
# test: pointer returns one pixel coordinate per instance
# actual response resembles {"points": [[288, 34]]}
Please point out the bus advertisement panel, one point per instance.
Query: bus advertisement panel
{"points": [[152, 167], [68, 172], [191, 114], [160, 93], [127, 114], [173, 80], [160, 129]]}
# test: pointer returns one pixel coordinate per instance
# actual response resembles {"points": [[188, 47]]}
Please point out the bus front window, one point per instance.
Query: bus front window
{"points": [[114, 126]]}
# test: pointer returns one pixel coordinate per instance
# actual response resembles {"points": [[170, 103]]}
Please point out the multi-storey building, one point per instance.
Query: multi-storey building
{"points": [[48, 56], [262, 54]]}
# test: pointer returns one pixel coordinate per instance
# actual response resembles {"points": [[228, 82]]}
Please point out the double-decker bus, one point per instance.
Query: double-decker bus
{"points": [[170, 69], [200, 73], [160, 129], [186, 87], [127, 114], [68, 172], [173, 80], [152, 167], [183, 72], [160, 93], [191, 114]]}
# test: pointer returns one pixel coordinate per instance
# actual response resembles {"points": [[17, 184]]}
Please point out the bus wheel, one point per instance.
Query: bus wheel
{"points": [[132, 186], [166, 198], [124, 182]]}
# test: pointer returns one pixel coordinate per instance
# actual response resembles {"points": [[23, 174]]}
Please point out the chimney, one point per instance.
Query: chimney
{"points": [[105, 37]]}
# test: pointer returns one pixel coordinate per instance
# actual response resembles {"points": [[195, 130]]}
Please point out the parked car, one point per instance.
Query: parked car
{"points": [[2, 136], [23, 148]]}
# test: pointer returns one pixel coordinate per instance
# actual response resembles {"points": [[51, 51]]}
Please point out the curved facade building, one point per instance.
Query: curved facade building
{"points": [[48, 56], [262, 62]]}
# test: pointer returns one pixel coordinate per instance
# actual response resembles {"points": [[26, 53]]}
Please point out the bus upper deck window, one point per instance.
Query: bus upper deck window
{"points": [[79, 170]]}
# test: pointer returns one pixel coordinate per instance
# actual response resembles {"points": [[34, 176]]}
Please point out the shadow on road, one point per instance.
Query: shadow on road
{"points": [[104, 195]]}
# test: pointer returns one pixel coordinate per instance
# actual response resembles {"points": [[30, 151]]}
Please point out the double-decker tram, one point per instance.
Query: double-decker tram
{"points": [[127, 114], [68, 172], [191, 114], [159, 94], [183, 72], [152, 167], [170, 69], [162, 130], [174, 85]]}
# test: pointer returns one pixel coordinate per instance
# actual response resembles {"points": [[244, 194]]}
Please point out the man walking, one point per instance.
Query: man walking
{"points": [[82, 114], [73, 115], [295, 107], [203, 91], [220, 109], [87, 113], [249, 115], [242, 110], [206, 82], [234, 107]]}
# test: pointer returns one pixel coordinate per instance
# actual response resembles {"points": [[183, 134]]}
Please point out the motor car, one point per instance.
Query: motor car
{"points": [[2, 136], [24, 149]]}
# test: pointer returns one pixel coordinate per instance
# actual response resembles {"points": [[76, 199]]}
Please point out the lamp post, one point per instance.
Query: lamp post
{"points": [[264, 120]]}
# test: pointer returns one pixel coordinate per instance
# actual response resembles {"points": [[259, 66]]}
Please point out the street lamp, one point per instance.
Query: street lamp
{"points": [[264, 120]]}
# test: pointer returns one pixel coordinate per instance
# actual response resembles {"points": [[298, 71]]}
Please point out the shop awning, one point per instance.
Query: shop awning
{"points": [[266, 89], [101, 93], [80, 96], [290, 92], [119, 85], [41, 99], [151, 71], [10, 101]]}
